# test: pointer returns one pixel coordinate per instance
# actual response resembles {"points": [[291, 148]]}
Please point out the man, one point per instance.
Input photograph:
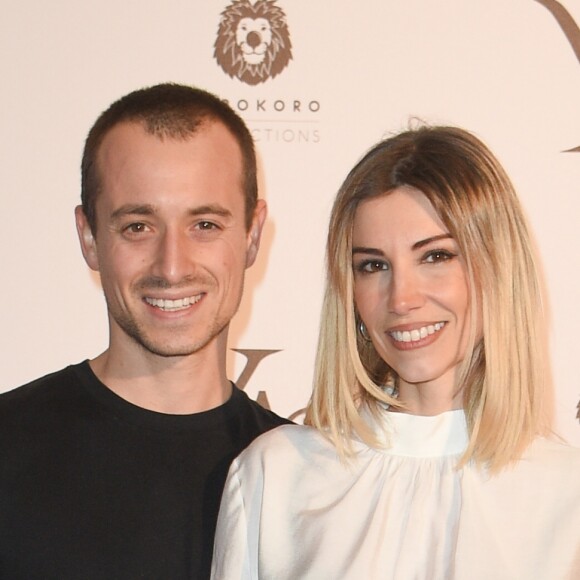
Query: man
{"points": [[113, 468]]}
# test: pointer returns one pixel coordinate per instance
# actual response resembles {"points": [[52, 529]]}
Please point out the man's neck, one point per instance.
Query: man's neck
{"points": [[172, 385]]}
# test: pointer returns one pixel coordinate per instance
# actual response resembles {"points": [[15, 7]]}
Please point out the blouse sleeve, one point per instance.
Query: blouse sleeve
{"points": [[234, 553]]}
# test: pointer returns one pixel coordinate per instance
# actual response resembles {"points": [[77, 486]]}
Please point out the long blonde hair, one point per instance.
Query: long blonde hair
{"points": [[504, 374]]}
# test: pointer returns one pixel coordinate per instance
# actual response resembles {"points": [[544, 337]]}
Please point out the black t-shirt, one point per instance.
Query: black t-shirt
{"points": [[95, 488]]}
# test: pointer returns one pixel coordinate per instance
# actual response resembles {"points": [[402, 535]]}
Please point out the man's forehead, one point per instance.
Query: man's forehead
{"points": [[136, 165], [165, 129], [134, 137]]}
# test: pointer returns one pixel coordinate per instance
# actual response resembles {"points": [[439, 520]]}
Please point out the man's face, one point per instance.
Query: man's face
{"points": [[171, 244]]}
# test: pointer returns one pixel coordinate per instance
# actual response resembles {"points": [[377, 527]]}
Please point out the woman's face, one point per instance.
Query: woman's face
{"points": [[411, 289]]}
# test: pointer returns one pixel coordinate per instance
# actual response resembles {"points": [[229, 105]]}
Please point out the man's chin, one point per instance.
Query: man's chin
{"points": [[171, 343], [174, 346], [173, 350]]}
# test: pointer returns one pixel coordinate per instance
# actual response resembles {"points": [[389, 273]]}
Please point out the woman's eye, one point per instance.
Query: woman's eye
{"points": [[370, 266], [436, 256]]}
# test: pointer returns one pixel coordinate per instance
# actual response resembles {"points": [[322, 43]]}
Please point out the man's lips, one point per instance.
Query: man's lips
{"points": [[168, 305]]}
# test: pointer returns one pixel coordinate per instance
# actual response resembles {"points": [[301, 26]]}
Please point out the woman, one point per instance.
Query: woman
{"points": [[426, 454]]}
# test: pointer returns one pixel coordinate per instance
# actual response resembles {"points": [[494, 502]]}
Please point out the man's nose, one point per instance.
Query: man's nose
{"points": [[173, 259]]}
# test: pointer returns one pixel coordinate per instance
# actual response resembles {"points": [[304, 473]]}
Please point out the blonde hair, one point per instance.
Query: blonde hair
{"points": [[504, 374]]}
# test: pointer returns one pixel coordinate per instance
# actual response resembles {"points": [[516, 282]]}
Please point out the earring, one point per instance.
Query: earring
{"points": [[363, 331]]}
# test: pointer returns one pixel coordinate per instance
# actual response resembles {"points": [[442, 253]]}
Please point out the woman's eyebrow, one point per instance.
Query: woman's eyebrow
{"points": [[427, 241], [415, 246], [364, 250]]}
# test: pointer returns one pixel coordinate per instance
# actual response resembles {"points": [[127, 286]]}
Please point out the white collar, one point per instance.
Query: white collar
{"points": [[420, 436]]}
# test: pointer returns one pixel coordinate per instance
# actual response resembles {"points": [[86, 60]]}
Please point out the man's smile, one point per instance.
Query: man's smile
{"points": [[173, 305]]}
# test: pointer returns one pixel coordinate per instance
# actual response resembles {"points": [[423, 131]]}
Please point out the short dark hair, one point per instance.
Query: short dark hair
{"points": [[166, 110]]}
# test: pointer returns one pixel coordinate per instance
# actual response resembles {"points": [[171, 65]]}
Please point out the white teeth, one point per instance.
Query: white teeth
{"points": [[416, 334], [171, 305]]}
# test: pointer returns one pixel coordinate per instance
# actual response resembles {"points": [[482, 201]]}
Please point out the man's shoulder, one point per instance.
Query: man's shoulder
{"points": [[38, 392], [252, 411]]}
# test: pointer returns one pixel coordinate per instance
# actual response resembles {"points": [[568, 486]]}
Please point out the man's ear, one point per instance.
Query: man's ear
{"points": [[255, 232], [87, 239]]}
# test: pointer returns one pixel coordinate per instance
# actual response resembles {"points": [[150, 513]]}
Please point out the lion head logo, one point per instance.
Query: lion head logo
{"points": [[253, 42]]}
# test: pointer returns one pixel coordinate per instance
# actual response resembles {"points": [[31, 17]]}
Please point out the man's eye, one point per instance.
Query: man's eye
{"points": [[436, 256], [206, 225], [136, 228]]}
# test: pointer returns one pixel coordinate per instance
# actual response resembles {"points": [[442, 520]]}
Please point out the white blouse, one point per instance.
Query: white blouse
{"points": [[291, 510]]}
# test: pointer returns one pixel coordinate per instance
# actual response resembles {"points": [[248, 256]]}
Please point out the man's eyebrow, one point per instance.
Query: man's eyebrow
{"points": [[148, 209], [132, 209], [212, 209]]}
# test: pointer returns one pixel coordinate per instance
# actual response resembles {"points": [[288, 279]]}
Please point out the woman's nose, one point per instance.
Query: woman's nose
{"points": [[404, 292]]}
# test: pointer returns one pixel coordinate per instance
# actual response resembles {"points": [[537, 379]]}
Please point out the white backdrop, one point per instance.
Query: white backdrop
{"points": [[504, 69]]}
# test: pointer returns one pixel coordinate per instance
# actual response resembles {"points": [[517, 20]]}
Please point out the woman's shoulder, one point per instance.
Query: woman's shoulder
{"points": [[555, 460], [545, 450], [286, 439], [286, 450], [548, 469]]}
